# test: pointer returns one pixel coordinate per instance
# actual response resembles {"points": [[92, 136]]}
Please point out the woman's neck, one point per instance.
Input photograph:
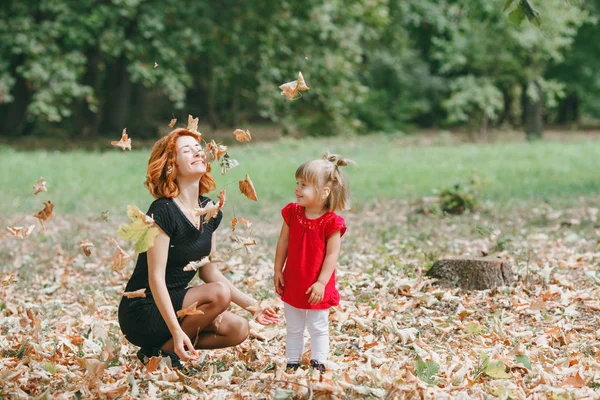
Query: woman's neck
{"points": [[188, 193]]}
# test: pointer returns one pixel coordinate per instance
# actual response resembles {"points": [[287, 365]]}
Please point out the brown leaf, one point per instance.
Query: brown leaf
{"points": [[247, 189], [173, 122], [221, 198], [194, 265], [575, 381], [214, 151], [153, 364], [193, 125], [40, 186], [46, 213], [189, 310], [209, 211], [7, 279], [135, 294], [20, 232], [241, 135], [86, 246], [94, 368], [244, 221], [233, 224], [124, 143], [120, 258], [293, 88]]}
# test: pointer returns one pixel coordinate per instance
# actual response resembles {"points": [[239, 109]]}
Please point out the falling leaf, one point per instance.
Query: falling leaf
{"points": [[20, 232], [221, 198], [233, 224], [293, 88], [193, 124], [120, 258], [209, 211], [135, 294], [242, 221], [141, 230], [46, 213], [155, 65], [227, 163], [86, 246], [189, 310], [173, 122], [104, 215], [245, 243], [214, 151], [40, 186], [241, 135], [247, 189], [124, 143], [195, 265]]}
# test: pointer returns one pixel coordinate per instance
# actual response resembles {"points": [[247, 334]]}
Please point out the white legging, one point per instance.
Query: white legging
{"points": [[318, 326]]}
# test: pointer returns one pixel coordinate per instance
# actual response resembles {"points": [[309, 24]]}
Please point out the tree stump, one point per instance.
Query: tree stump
{"points": [[477, 273]]}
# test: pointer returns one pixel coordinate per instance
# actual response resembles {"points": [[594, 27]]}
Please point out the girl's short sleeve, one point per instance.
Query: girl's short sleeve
{"points": [[162, 215], [335, 224], [286, 213]]}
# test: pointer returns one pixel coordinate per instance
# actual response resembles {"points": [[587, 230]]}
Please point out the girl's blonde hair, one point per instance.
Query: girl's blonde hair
{"points": [[326, 173]]}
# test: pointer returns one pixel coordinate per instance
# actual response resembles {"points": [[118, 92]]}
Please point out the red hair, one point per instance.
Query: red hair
{"points": [[162, 159]]}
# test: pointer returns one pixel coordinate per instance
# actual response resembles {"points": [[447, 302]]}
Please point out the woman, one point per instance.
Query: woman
{"points": [[178, 176]]}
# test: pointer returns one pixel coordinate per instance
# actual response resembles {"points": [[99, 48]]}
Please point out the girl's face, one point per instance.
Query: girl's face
{"points": [[308, 196], [191, 160]]}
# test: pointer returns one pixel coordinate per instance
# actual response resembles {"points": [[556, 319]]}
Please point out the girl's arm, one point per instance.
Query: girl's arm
{"points": [[280, 257], [210, 273], [157, 266], [332, 253]]}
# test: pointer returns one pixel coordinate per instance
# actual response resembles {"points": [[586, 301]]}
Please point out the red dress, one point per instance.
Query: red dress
{"points": [[305, 256]]}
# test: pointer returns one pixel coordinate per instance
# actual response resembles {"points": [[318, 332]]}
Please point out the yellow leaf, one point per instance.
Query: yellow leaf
{"points": [[140, 232]]}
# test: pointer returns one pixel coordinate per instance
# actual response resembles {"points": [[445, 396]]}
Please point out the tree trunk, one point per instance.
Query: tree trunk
{"points": [[533, 109], [87, 122], [13, 115], [234, 118], [117, 106], [147, 111], [478, 273], [569, 109]]}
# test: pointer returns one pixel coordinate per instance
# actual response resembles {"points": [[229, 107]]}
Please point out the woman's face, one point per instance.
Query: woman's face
{"points": [[191, 160]]}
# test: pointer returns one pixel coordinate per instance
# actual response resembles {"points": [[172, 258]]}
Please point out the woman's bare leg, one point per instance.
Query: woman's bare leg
{"points": [[228, 330], [212, 298]]}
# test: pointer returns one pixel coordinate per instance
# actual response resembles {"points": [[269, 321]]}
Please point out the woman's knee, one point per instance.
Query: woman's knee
{"points": [[222, 295]]}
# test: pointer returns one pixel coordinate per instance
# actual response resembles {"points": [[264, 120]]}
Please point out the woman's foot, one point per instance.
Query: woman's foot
{"points": [[144, 354], [292, 366], [318, 365]]}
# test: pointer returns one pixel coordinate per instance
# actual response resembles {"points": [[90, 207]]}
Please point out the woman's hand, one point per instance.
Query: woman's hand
{"points": [[268, 316], [181, 341], [315, 292], [278, 282]]}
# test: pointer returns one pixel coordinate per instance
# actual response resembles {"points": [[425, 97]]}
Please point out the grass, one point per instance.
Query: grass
{"points": [[86, 183]]}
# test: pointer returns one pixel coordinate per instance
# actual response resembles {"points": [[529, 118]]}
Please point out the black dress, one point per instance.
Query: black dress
{"points": [[139, 318]]}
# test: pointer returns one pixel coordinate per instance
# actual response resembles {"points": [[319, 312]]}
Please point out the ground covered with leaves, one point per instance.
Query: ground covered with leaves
{"points": [[394, 335]]}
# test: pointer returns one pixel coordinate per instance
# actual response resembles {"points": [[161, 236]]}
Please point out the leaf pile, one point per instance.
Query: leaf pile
{"points": [[394, 335]]}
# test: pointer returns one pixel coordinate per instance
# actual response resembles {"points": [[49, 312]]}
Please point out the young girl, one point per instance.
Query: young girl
{"points": [[308, 246]]}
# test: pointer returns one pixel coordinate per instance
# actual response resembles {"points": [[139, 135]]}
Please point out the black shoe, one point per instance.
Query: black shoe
{"points": [[144, 354], [292, 366], [318, 365]]}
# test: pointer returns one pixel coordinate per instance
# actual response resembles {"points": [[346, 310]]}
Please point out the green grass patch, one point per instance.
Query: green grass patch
{"points": [[86, 183]]}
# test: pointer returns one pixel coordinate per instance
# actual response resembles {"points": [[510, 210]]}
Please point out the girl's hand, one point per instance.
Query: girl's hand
{"points": [[181, 341], [278, 282], [268, 316], [315, 292]]}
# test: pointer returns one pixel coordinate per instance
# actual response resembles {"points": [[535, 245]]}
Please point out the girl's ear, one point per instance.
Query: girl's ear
{"points": [[325, 193]]}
